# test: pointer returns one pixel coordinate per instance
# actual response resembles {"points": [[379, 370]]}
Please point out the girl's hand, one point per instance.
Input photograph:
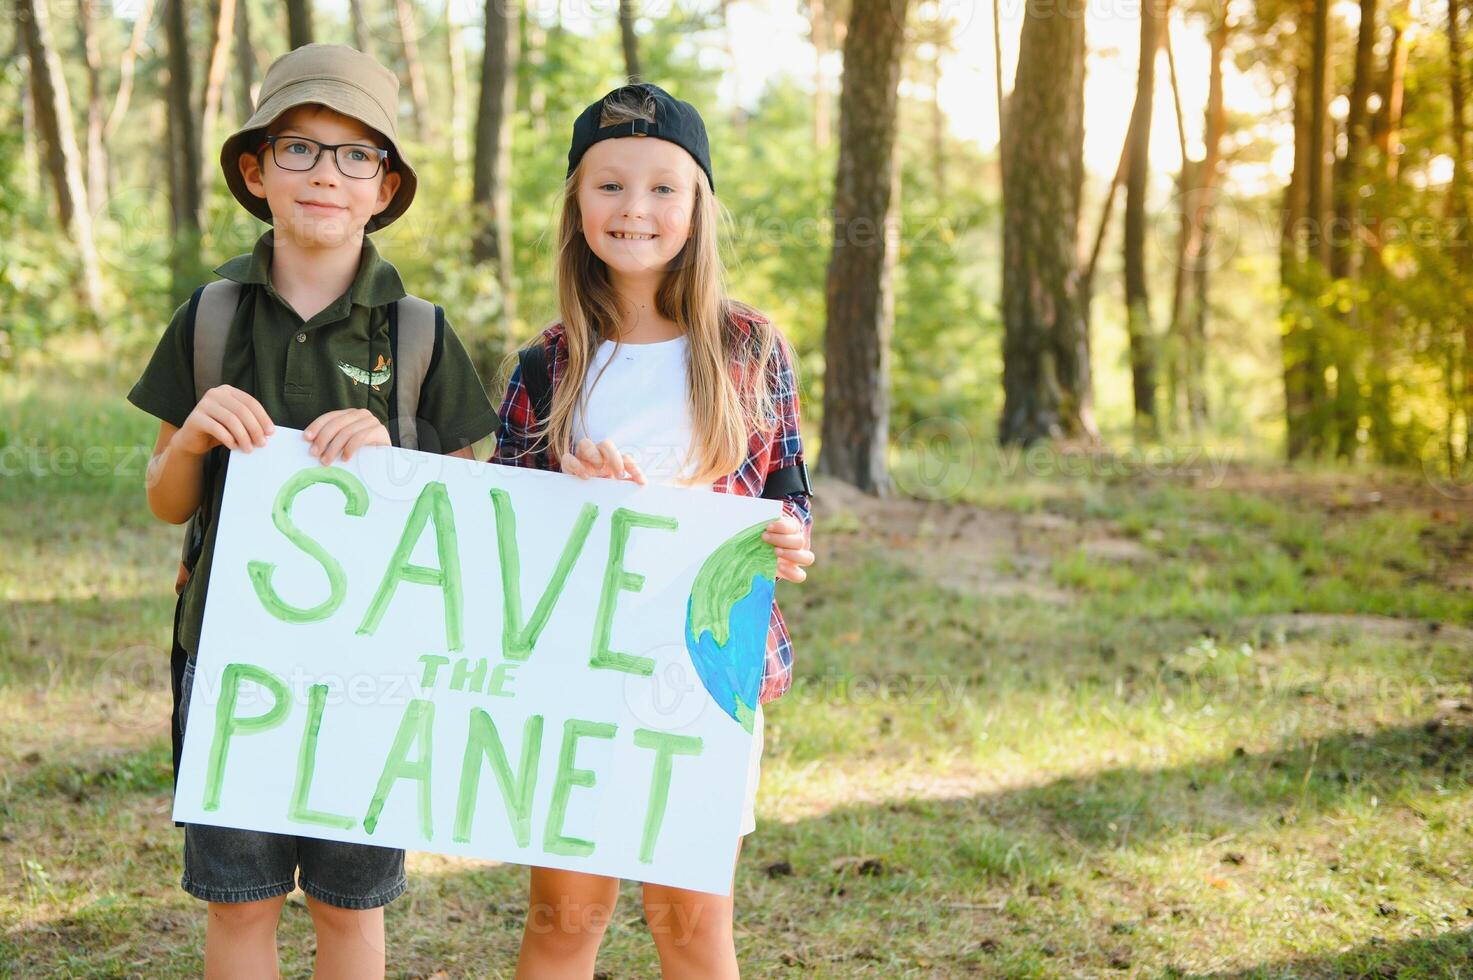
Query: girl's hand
{"points": [[601, 459], [343, 432], [227, 417], [786, 537]]}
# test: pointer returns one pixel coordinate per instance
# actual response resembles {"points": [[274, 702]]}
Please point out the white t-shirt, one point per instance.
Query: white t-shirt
{"points": [[639, 401]]}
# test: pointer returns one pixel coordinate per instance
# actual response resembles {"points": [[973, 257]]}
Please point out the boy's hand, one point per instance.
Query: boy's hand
{"points": [[786, 537], [227, 417], [343, 432], [601, 459]]}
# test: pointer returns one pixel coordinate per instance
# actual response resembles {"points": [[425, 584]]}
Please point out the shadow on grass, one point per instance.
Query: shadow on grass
{"points": [[1244, 789], [1447, 955], [852, 870]]}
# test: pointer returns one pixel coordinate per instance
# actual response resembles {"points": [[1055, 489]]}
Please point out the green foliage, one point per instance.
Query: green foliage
{"points": [[1122, 768], [11, 290], [775, 184], [948, 334]]}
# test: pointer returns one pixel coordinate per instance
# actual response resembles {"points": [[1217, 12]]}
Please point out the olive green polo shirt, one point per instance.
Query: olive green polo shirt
{"points": [[300, 369]]}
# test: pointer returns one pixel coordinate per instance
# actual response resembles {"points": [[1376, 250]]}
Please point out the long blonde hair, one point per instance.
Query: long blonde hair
{"points": [[727, 381]]}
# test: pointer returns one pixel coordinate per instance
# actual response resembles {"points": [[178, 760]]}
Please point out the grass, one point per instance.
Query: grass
{"points": [[1215, 725]]}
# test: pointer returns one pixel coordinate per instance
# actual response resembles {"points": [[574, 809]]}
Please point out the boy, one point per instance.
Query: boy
{"points": [[310, 345]]}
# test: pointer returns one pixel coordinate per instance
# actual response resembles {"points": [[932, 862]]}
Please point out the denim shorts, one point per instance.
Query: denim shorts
{"points": [[225, 864]]}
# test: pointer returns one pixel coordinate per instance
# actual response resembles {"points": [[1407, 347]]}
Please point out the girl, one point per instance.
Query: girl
{"points": [[698, 391]]}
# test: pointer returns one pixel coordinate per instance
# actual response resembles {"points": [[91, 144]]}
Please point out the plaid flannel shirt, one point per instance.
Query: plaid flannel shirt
{"points": [[770, 450]]}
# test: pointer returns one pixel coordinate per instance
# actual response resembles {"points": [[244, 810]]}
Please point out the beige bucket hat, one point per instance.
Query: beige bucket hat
{"points": [[345, 80]]}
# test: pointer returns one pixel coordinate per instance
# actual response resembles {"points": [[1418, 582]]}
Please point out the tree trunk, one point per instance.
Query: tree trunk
{"points": [[126, 68], [97, 189], [894, 211], [532, 96], [1344, 328], [361, 38], [1458, 128], [1343, 251], [53, 115], [1386, 132], [455, 51], [1046, 376], [1207, 176], [245, 62], [214, 92], [1459, 210], [1319, 214], [491, 167], [419, 92], [1198, 192], [298, 23], [185, 164], [1303, 371], [856, 397], [938, 122], [1319, 74], [1137, 178], [1087, 282], [738, 114], [1385, 135], [819, 34], [32, 166], [627, 15]]}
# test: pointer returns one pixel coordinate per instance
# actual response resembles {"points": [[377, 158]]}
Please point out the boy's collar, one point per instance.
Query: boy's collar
{"points": [[376, 283]]}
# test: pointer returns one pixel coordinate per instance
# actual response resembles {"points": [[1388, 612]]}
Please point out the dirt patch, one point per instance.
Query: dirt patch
{"points": [[969, 549], [1349, 491], [1115, 549], [1350, 626], [998, 553]]}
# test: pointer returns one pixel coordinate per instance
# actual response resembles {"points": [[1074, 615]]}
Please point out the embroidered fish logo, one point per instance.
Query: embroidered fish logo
{"points": [[379, 375]]}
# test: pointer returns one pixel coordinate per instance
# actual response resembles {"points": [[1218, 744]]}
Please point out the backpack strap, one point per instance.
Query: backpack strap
{"points": [[416, 337], [212, 308], [211, 312], [537, 379], [786, 481]]}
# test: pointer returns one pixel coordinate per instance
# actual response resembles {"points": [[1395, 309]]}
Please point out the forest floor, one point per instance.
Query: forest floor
{"points": [[1087, 720]]}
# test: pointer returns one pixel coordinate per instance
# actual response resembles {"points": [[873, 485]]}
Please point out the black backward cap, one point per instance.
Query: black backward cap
{"points": [[675, 121]]}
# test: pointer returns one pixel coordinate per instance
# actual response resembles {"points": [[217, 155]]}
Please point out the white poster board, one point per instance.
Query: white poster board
{"points": [[443, 655]]}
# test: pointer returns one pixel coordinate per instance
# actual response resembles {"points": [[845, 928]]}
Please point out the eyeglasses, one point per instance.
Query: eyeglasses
{"points": [[356, 160]]}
